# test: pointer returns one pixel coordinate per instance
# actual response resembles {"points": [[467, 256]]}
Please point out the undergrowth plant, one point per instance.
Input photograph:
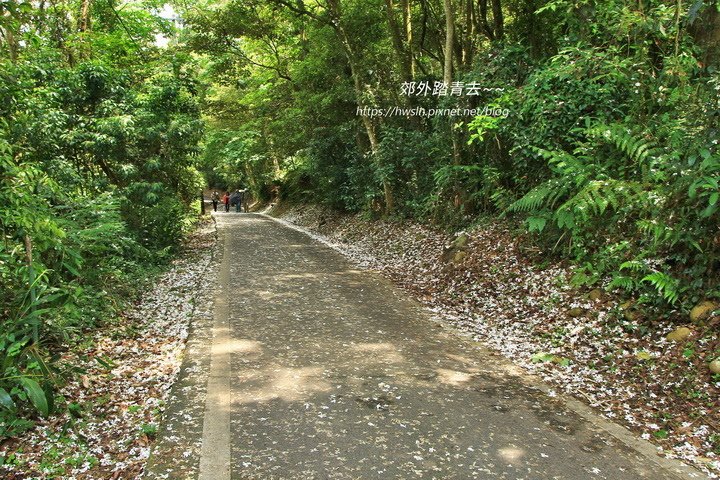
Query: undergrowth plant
{"points": [[99, 138]]}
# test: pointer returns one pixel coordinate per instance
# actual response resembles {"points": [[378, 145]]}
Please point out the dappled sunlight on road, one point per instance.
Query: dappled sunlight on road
{"points": [[511, 454], [463, 360], [453, 377], [242, 346], [378, 352], [287, 384], [222, 399], [333, 373]]}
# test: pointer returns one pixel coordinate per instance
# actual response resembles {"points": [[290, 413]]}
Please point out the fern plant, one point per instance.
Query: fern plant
{"points": [[579, 193], [611, 186], [632, 275], [666, 286], [638, 149]]}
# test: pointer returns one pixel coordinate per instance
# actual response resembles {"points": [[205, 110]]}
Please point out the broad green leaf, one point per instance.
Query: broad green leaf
{"points": [[5, 399], [36, 395], [708, 211], [47, 388], [713, 198]]}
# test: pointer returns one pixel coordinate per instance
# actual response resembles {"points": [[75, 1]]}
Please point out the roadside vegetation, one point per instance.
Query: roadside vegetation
{"points": [[608, 152], [594, 141], [99, 131]]}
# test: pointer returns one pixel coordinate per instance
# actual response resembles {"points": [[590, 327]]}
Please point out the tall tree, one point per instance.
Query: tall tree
{"points": [[449, 41]]}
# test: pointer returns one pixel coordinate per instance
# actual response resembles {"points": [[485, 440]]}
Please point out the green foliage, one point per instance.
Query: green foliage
{"points": [[612, 161], [664, 284], [36, 395], [607, 153], [153, 214], [148, 429], [98, 146], [705, 187], [614, 185]]}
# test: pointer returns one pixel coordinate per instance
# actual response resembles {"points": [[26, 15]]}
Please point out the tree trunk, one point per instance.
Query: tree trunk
{"points": [[407, 23], [482, 21], [404, 62], [12, 44], [533, 30], [84, 18], [449, 41], [114, 179], [705, 30], [447, 78], [498, 20], [360, 94], [467, 50]]}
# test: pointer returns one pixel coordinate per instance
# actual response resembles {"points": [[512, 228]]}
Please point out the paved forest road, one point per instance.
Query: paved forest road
{"points": [[321, 371]]}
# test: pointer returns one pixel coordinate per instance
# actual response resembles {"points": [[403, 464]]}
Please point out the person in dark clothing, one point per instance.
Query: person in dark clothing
{"points": [[215, 200], [236, 200]]}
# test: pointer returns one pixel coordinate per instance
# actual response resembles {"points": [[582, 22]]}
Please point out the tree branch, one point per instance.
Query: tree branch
{"points": [[239, 51], [299, 8]]}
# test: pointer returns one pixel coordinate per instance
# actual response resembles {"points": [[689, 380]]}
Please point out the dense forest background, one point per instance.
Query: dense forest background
{"points": [[606, 148], [115, 115], [99, 138]]}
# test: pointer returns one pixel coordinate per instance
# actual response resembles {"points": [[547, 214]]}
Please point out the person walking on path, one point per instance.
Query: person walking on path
{"points": [[215, 200], [235, 200], [239, 199], [244, 197], [226, 201]]}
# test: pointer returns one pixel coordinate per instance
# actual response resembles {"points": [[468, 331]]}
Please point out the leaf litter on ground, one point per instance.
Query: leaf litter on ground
{"points": [[116, 406]]}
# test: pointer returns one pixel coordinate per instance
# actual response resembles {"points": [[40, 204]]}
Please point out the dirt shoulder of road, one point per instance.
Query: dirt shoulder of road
{"points": [[118, 403], [587, 344]]}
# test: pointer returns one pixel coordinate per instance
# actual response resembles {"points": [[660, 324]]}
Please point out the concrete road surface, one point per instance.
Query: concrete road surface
{"points": [[320, 371]]}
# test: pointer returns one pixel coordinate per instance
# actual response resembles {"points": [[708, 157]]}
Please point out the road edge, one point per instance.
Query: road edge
{"points": [[215, 453]]}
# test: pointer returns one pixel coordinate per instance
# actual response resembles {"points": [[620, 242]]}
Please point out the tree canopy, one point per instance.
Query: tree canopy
{"points": [[594, 124]]}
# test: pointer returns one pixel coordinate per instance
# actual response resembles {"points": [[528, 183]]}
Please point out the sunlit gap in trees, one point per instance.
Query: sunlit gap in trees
{"points": [[168, 13]]}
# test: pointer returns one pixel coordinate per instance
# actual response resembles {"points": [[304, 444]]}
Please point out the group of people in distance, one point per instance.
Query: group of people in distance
{"points": [[238, 199]]}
